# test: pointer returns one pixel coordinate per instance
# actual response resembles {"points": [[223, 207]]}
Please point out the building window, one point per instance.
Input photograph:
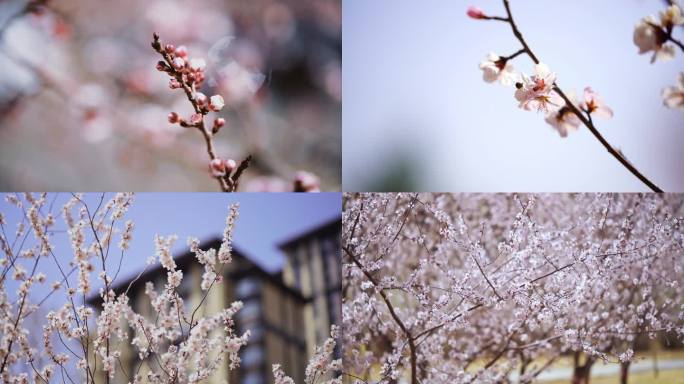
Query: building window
{"points": [[253, 378], [247, 287], [252, 356]]}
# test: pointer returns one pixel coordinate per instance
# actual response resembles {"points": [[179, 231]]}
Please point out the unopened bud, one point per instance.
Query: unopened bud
{"points": [[201, 99], [161, 66], [229, 165], [181, 51], [217, 167], [218, 123], [169, 48], [476, 13], [173, 118]]}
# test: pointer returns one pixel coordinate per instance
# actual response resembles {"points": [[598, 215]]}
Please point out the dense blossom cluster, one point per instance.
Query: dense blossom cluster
{"points": [[540, 91], [473, 288]]}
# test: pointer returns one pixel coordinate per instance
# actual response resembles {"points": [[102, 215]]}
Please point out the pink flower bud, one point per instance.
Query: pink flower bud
{"points": [[218, 123], [230, 165], [173, 118], [169, 48], [201, 99], [161, 66], [476, 13], [196, 118], [178, 63], [181, 51], [216, 103], [217, 167], [174, 84]]}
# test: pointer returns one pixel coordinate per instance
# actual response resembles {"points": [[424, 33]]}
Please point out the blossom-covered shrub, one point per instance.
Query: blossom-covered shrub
{"points": [[495, 288]]}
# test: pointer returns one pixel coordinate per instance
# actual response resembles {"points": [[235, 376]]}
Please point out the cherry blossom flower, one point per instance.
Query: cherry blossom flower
{"points": [[563, 119], [673, 97], [648, 36], [536, 92], [498, 68], [216, 103], [594, 105], [671, 17]]}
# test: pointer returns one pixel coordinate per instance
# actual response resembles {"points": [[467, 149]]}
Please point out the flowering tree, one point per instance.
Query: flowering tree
{"points": [[563, 110], [82, 342], [496, 288]]}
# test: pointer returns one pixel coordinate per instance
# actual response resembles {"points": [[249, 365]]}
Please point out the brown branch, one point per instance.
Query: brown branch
{"points": [[586, 121], [409, 338]]}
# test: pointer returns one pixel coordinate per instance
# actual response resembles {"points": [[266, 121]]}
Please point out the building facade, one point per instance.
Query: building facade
{"points": [[313, 268]]}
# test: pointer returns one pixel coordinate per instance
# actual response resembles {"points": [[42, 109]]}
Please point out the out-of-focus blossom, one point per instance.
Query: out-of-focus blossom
{"points": [[267, 184], [197, 64], [563, 119], [671, 16], [173, 118], [673, 97], [593, 104], [498, 68], [649, 37], [306, 182], [536, 92]]}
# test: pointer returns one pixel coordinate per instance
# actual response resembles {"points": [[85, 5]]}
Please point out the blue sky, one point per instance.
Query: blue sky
{"points": [[266, 219], [413, 93]]}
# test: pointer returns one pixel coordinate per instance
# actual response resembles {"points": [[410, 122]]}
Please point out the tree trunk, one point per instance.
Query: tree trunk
{"points": [[582, 373], [624, 372]]}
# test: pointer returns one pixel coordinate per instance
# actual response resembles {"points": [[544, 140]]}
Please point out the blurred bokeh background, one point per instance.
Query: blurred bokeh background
{"points": [[82, 106], [418, 116]]}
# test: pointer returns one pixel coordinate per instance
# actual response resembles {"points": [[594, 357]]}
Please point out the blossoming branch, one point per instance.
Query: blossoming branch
{"points": [[188, 74], [540, 91]]}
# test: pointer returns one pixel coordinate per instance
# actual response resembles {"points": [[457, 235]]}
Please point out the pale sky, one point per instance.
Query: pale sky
{"points": [[414, 98]]}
